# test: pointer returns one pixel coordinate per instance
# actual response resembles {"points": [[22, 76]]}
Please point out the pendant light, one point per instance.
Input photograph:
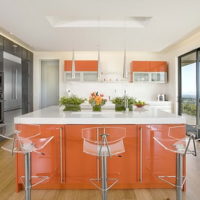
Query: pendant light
{"points": [[73, 65], [125, 74], [99, 65], [99, 53]]}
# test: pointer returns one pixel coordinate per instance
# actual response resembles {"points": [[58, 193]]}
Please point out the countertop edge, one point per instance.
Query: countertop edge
{"points": [[97, 121]]}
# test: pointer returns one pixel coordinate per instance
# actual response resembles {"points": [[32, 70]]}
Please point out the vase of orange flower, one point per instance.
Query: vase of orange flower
{"points": [[96, 108], [97, 101]]}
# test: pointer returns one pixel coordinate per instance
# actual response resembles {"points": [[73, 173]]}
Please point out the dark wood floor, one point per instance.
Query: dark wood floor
{"points": [[7, 186]]}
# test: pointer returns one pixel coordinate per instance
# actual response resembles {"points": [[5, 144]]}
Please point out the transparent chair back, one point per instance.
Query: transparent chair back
{"points": [[22, 145], [177, 143], [106, 141]]}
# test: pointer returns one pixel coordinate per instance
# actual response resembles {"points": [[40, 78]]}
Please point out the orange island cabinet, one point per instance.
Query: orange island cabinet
{"points": [[69, 168]]}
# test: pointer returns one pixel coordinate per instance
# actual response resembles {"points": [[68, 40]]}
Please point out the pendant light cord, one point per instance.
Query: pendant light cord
{"points": [[125, 75]]}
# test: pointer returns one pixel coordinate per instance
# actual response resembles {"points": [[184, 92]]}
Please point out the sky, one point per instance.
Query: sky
{"points": [[189, 79]]}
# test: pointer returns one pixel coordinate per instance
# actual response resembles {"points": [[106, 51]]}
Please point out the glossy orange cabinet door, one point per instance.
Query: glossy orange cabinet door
{"points": [[80, 166], [52, 162], [149, 66], [154, 159], [81, 65], [124, 166], [158, 66], [140, 66]]}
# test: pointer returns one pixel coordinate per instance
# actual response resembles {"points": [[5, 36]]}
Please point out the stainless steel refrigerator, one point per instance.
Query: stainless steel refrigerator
{"points": [[12, 90]]}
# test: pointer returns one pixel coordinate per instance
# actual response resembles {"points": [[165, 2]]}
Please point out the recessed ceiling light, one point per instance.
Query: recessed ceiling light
{"points": [[73, 22]]}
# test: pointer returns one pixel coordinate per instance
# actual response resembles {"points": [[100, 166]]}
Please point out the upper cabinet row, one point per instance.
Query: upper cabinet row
{"points": [[140, 71]]}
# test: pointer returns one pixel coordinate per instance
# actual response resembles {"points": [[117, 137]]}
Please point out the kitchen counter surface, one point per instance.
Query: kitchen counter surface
{"points": [[55, 115]]}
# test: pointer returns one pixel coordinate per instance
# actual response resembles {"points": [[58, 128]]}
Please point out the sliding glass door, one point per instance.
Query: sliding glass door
{"points": [[189, 88]]}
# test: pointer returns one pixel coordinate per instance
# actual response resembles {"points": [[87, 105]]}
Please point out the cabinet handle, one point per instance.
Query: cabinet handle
{"points": [[98, 168], [13, 84], [61, 155], [141, 155], [98, 161], [16, 82]]}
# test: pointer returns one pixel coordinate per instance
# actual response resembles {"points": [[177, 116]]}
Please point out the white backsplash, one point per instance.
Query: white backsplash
{"points": [[142, 91], [111, 64]]}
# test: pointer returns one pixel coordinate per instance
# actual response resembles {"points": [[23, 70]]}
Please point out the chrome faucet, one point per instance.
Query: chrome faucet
{"points": [[125, 101]]}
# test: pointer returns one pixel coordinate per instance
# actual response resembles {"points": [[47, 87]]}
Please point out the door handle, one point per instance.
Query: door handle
{"points": [[98, 168], [13, 83], [61, 155], [16, 73], [141, 156]]}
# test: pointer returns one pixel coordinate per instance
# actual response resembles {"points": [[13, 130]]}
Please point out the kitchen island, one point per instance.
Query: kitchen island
{"points": [[69, 168]]}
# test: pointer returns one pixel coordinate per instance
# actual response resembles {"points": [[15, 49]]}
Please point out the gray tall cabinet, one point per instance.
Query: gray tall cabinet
{"points": [[26, 56]]}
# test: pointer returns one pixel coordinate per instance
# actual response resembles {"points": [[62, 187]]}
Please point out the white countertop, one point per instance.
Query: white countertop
{"points": [[55, 115]]}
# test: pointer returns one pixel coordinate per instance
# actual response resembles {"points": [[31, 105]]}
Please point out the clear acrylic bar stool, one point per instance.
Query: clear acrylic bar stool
{"points": [[103, 142], [26, 146], [180, 146]]}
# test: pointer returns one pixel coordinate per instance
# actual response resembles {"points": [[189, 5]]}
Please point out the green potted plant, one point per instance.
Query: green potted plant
{"points": [[97, 101], [120, 103], [131, 102], [71, 103]]}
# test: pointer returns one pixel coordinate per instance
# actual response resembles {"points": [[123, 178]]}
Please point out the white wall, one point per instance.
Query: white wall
{"points": [[171, 54], [110, 62], [142, 91]]}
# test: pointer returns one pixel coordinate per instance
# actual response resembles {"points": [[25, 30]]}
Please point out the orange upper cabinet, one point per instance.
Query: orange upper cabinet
{"points": [[140, 66], [81, 65], [149, 71], [85, 70]]}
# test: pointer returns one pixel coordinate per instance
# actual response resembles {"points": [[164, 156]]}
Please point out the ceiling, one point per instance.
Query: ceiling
{"points": [[86, 25]]}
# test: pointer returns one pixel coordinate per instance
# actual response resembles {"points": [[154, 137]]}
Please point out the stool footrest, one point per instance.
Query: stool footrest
{"points": [[97, 183], [164, 178], [36, 180]]}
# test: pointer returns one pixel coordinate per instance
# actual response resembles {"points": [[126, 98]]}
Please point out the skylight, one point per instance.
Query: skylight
{"points": [[73, 22]]}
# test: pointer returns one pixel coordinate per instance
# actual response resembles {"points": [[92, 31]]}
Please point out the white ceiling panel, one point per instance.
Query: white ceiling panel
{"points": [[86, 25]]}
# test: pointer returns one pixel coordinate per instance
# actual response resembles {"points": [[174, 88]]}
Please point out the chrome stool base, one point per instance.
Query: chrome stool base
{"points": [[26, 146], [27, 168], [180, 146], [179, 176], [96, 182], [180, 179], [103, 142], [103, 186], [27, 178]]}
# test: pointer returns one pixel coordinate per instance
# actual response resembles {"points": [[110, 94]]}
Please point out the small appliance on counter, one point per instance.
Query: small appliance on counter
{"points": [[161, 97]]}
